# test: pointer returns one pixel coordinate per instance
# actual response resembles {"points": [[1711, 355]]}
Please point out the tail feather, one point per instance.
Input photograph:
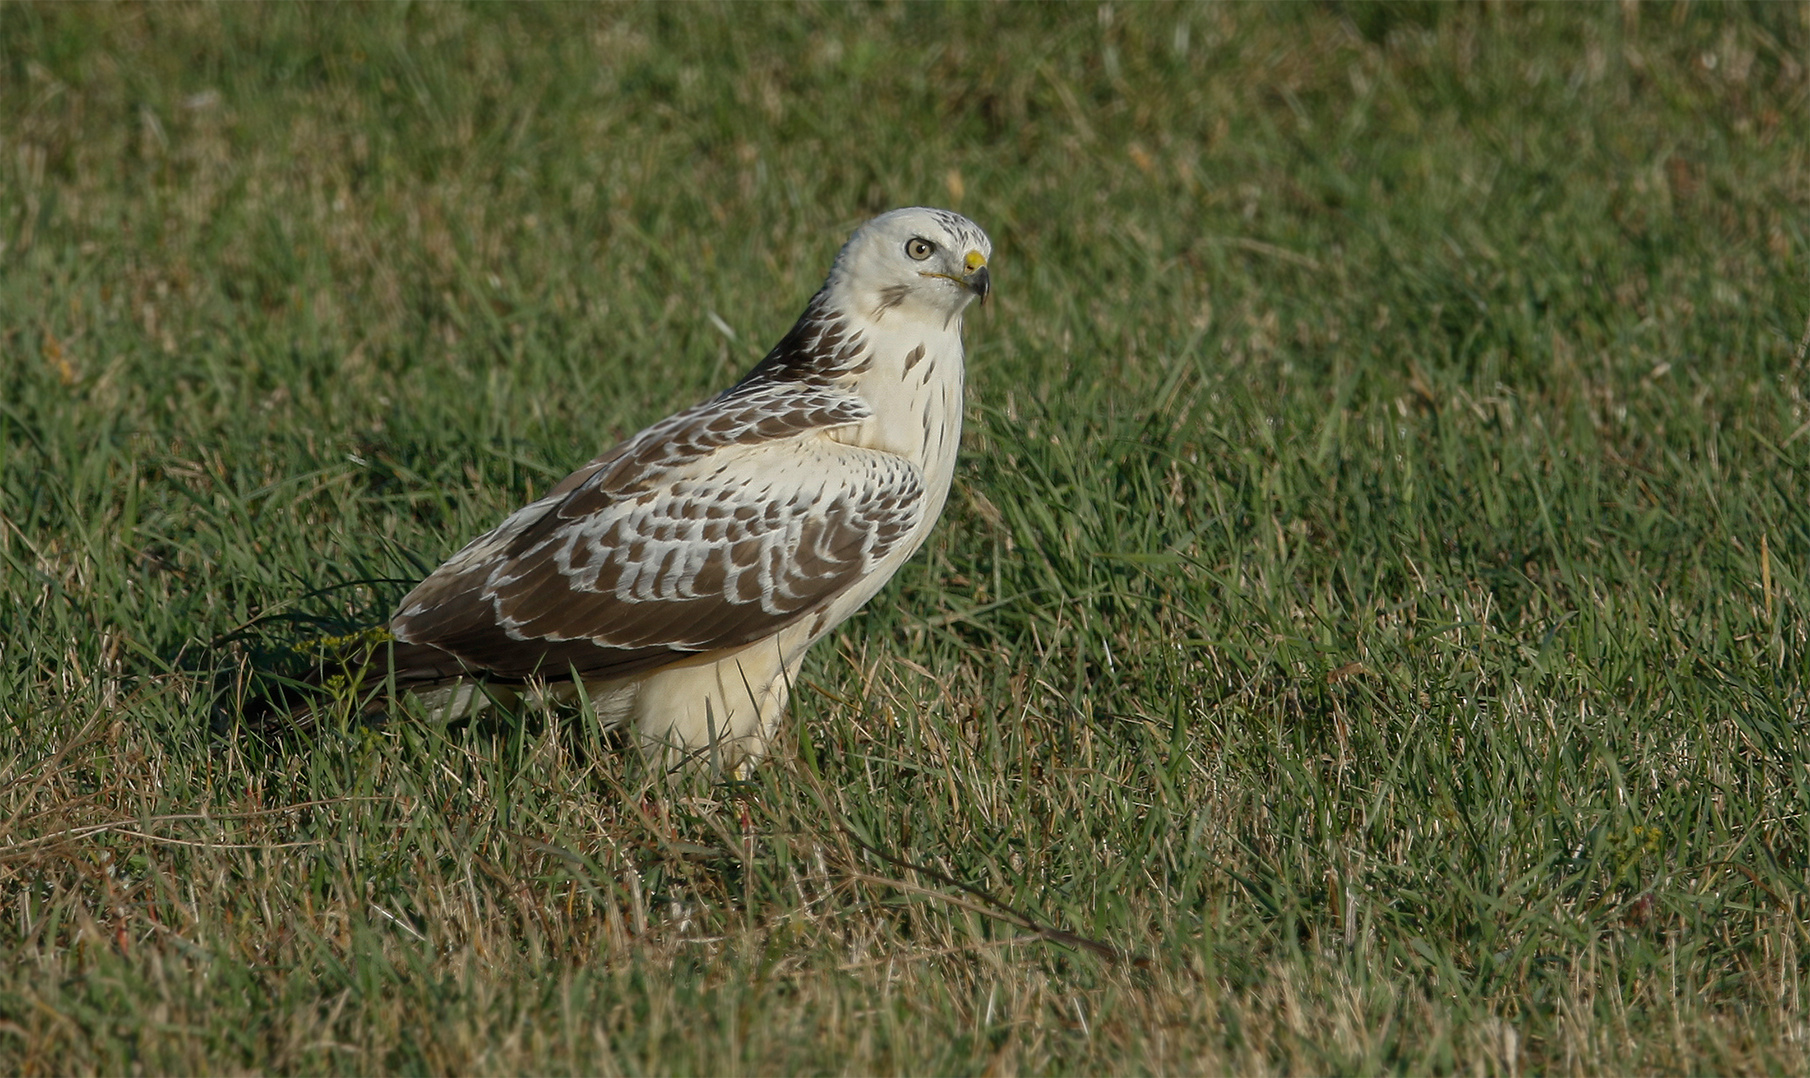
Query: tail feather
{"points": [[360, 675]]}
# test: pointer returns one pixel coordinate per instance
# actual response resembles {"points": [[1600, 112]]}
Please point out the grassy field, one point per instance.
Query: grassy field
{"points": [[1368, 632]]}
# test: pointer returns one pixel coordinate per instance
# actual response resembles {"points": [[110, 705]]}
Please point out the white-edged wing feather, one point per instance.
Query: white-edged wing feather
{"points": [[709, 530]]}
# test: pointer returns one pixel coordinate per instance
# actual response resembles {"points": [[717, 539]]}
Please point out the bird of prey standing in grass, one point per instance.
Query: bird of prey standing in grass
{"points": [[682, 575]]}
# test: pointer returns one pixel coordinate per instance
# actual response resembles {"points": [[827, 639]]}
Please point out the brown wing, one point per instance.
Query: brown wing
{"points": [[703, 532]]}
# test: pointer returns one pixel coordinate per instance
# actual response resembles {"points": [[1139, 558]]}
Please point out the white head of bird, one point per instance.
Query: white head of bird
{"points": [[923, 263]]}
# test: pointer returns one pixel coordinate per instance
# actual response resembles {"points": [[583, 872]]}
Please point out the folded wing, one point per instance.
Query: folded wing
{"points": [[710, 530]]}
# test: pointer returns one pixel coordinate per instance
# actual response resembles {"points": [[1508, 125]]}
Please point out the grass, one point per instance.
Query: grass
{"points": [[1373, 595]]}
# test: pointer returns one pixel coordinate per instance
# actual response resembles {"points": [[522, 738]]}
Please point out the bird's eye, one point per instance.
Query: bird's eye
{"points": [[919, 248]]}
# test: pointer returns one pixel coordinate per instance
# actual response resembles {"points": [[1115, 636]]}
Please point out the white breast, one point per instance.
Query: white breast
{"points": [[913, 383]]}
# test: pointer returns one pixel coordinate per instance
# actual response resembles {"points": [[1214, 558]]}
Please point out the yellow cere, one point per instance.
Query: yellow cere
{"points": [[974, 261]]}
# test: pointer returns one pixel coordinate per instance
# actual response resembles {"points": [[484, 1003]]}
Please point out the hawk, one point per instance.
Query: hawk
{"points": [[681, 576]]}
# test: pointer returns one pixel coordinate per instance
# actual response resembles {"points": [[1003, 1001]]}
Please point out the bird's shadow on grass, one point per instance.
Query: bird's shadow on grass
{"points": [[266, 674]]}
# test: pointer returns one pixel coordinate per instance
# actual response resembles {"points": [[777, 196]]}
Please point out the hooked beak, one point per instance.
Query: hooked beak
{"points": [[978, 280], [974, 278]]}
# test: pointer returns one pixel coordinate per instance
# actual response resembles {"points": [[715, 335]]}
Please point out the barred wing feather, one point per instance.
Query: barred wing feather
{"points": [[713, 529]]}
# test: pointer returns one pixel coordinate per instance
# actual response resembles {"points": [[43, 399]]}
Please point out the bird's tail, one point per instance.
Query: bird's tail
{"points": [[359, 675]]}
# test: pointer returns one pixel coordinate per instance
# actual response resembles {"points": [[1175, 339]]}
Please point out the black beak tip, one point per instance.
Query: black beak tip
{"points": [[981, 283]]}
